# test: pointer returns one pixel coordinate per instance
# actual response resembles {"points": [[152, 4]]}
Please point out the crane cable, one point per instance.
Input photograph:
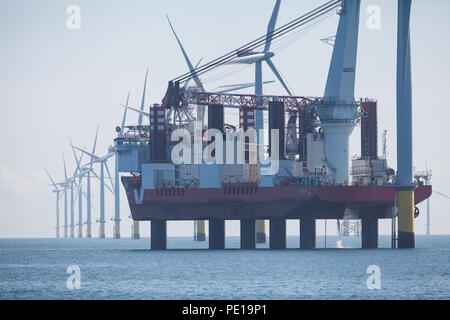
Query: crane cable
{"points": [[284, 43], [327, 7], [260, 41]]}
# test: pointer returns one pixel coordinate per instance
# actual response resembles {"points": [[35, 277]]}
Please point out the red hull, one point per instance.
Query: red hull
{"points": [[243, 201]]}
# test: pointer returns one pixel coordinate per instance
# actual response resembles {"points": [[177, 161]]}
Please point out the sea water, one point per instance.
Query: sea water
{"points": [[127, 269]]}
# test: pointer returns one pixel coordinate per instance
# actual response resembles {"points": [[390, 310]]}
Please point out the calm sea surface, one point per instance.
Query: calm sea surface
{"points": [[127, 269]]}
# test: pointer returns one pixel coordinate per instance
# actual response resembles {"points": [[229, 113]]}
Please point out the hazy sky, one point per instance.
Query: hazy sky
{"points": [[57, 84]]}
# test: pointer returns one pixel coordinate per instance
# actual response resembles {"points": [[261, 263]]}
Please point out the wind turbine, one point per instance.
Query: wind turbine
{"points": [[65, 200], [200, 109], [251, 57], [57, 191], [70, 182], [84, 172], [79, 192], [103, 164], [257, 58], [198, 82]]}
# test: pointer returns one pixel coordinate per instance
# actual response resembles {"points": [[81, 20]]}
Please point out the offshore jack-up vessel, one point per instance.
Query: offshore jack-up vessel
{"points": [[313, 180]]}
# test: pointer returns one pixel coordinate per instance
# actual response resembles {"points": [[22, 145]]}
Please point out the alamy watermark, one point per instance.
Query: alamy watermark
{"points": [[374, 280], [237, 144], [374, 20], [73, 21], [74, 280]]}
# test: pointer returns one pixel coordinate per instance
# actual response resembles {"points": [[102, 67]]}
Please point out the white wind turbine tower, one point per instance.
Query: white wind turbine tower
{"points": [[80, 176], [66, 186], [70, 183], [58, 195]]}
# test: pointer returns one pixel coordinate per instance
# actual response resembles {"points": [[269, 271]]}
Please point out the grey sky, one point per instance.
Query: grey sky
{"points": [[57, 83]]}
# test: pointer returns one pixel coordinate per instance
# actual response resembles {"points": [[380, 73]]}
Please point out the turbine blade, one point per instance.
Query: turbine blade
{"points": [[65, 171], [136, 110], [87, 153], [441, 194], [278, 75], [76, 159], [81, 157], [124, 115], [93, 148], [189, 79], [143, 99], [109, 174], [107, 187], [271, 26], [76, 197], [188, 61], [95, 174], [53, 182], [78, 169]]}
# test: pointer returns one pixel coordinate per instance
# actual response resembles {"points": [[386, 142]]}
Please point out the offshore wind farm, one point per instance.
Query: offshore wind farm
{"points": [[311, 156], [193, 152]]}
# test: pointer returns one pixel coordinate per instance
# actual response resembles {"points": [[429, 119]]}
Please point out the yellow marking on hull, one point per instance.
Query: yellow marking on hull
{"points": [[405, 203]]}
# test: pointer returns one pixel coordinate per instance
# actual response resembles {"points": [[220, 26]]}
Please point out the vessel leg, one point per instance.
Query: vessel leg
{"points": [[216, 234], [307, 233], [158, 236], [369, 232], [260, 231], [136, 233], [277, 233], [200, 236], [248, 234]]}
